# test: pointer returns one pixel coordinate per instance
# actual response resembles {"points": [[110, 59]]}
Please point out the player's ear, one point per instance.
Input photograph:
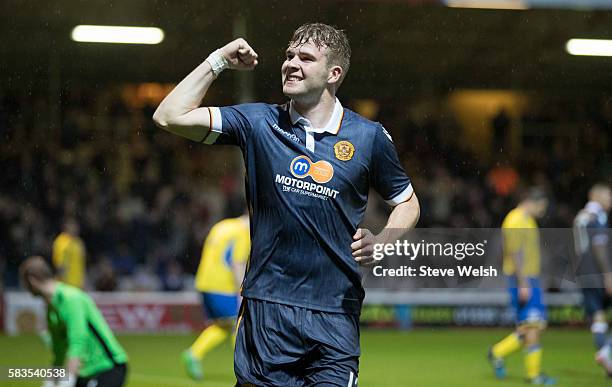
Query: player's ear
{"points": [[26, 281], [32, 284], [335, 74]]}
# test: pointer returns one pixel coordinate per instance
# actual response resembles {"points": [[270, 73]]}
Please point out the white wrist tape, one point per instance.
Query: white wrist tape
{"points": [[218, 62]]}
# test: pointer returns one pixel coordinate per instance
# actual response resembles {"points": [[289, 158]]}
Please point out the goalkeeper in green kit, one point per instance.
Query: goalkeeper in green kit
{"points": [[81, 340]]}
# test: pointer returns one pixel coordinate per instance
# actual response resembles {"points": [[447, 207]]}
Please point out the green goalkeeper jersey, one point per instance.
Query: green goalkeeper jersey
{"points": [[78, 330]]}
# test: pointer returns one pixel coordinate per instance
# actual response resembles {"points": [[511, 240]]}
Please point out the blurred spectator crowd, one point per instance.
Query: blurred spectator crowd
{"points": [[145, 199]]}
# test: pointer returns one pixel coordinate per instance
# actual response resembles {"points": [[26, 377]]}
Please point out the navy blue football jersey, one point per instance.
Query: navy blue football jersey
{"points": [[590, 229], [307, 190]]}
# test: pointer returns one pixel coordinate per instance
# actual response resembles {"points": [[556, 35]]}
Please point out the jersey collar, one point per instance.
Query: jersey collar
{"points": [[333, 125]]}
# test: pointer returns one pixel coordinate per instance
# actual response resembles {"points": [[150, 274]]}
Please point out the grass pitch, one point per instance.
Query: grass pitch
{"points": [[419, 358]]}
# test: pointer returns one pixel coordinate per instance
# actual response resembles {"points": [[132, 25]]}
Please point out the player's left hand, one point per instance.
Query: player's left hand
{"points": [[363, 247]]}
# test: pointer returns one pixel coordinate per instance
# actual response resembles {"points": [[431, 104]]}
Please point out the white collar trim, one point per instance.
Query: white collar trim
{"points": [[333, 125]]}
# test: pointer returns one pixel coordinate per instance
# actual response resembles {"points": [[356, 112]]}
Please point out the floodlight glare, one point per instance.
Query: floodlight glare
{"points": [[589, 47], [488, 4], [117, 34]]}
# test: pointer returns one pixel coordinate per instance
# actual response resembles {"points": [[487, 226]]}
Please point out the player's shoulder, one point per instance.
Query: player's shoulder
{"points": [[365, 126], [237, 226], [227, 226], [354, 118], [258, 108], [69, 293], [514, 218], [60, 238], [220, 227]]}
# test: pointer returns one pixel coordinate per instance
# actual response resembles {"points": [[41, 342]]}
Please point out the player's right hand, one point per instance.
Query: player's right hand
{"points": [[240, 55]]}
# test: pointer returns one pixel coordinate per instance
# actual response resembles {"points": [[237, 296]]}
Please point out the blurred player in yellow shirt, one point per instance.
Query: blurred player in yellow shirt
{"points": [[69, 255], [219, 276], [522, 257]]}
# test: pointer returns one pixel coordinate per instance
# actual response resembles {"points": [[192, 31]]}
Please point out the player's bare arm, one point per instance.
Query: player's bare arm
{"points": [[73, 365], [180, 112], [404, 216]]}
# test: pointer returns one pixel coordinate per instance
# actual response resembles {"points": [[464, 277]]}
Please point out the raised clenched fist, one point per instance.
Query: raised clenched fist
{"points": [[240, 55]]}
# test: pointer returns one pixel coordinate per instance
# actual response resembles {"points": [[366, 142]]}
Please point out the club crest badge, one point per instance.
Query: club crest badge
{"points": [[344, 150]]}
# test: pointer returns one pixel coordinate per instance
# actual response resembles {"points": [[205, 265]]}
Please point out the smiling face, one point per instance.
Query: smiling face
{"points": [[317, 60], [305, 72]]}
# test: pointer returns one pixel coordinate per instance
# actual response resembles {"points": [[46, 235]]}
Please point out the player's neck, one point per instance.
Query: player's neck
{"points": [[318, 112], [48, 289]]}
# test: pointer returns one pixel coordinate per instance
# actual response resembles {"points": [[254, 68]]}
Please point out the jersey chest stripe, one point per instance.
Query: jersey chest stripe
{"points": [[98, 337]]}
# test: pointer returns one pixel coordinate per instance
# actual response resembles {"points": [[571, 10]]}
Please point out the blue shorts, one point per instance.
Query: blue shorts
{"points": [[220, 306], [594, 300], [287, 346], [533, 311]]}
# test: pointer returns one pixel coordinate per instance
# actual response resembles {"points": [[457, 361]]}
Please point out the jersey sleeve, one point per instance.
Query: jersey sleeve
{"points": [[387, 175], [59, 353], [58, 345], [74, 315], [232, 125]]}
